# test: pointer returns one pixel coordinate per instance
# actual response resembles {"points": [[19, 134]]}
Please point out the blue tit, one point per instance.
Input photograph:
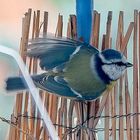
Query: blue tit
{"points": [[73, 69]]}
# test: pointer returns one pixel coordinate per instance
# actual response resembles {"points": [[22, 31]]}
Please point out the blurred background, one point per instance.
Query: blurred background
{"points": [[11, 13]]}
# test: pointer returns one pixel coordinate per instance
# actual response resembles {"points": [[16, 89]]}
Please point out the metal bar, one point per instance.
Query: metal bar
{"points": [[33, 90]]}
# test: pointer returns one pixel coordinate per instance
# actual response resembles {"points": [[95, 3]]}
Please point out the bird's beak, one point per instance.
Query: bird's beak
{"points": [[129, 64]]}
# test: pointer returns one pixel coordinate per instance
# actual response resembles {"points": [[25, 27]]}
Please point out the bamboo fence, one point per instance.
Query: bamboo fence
{"points": [[118, 109]]}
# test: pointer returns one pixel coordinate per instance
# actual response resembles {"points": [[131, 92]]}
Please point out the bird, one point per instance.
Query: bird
{"points": [[71, 68]]}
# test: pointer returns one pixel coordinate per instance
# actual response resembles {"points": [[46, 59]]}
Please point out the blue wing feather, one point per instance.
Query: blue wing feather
{"points": [[55, 57], [58, 86], [54, 52]]}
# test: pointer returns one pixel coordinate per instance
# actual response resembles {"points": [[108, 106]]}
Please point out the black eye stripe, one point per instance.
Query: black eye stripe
{"points": [[120, 63], [116, 63]]}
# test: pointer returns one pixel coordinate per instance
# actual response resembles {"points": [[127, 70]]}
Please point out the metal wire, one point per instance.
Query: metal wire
{"points": [[14, 124], [113, 117], [95, 117], [69, 129]]}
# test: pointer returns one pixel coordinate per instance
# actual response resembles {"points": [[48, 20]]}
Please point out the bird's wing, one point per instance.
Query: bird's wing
{"points": [[55, 84], [55, 52], [61, 87]]}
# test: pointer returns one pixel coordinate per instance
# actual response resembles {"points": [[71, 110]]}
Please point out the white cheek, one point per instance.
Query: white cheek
{"points": [[123, 68], [113, 71]]}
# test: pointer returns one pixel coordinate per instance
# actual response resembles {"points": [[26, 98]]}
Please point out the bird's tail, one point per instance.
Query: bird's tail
{"points": [[15, 83]]}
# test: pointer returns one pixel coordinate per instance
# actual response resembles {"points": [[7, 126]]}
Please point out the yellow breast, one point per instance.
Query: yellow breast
{"points": [[111, 85]]}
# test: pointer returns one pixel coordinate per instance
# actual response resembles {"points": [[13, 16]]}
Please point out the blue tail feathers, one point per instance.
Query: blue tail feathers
{"points": [[15, 83]]}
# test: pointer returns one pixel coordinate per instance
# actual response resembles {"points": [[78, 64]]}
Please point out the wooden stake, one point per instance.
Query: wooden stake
{"points": [[95, 30], [127, 36], [58, 112], [45, 27], [135, 78], [94, 105], [45, 93], [113, 110], [128, 106], [34, 70]]}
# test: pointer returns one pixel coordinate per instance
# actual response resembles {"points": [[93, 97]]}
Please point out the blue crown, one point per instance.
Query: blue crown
{"points": [[111, 54]]}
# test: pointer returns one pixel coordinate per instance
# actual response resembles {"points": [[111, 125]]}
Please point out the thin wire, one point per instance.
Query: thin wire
{"points": [[112, 117], [91, 129], [69, 130], [29, 117], [13, 124], [81, 126], [95, 117]]}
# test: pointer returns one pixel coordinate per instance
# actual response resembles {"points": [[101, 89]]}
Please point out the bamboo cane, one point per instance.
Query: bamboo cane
{"points": [[94, 41], [135, 78], [121, 100], [25, 36], [107, 45], [34, 70]]}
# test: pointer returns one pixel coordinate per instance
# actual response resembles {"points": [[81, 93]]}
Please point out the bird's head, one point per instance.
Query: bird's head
{"points": [[111, 64]]}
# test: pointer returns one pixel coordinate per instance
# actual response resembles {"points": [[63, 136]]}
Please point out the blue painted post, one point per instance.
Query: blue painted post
{"points": [[84, 9]]}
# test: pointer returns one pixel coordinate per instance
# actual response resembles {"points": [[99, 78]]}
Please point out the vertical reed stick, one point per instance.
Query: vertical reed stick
{"points": [[106, 40], [33, 106], [107, 45], [13, 131], [46, 104], [37, 25], [73, 26], [59, 28], [70, 117], [95, 29], [62, 116], [120, 28], [45, 27], [60, 111], [94, 105], [37, 123], [79, 108], [19, 97], [139, 69], [135, 78], [108, 30], [102, 103], [121, 125], [91, 107], [46, 95], [106, 132], [34, 25], [25, 120], [127, 36], [121, 100], [128, 106], [69, 29], [25, 36], [127, 95], [113, 110]]}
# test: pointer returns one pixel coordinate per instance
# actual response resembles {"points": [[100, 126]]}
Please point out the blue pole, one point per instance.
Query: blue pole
{"points": [[84, 9]]}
